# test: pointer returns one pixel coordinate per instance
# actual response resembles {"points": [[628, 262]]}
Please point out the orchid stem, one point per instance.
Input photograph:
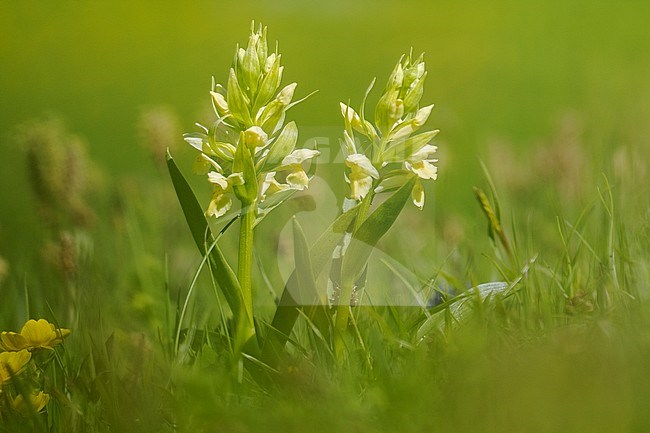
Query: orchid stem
{"points": [[246, 327], [343, 310]]}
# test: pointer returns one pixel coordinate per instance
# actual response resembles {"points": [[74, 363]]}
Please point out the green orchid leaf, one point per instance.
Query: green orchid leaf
{"points": [[195, 218]]}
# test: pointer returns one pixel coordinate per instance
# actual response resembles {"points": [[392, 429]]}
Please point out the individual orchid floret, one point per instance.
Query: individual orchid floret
{"points": [[292, 168], [255, 137], [361, 176], [420, 163], [353, 120], [417, 194], [221, 201], [271, 186], [297, 177]]}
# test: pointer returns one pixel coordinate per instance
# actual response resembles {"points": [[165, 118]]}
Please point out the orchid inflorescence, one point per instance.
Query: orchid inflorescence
{"points": [[390, 152], [248, 150]]}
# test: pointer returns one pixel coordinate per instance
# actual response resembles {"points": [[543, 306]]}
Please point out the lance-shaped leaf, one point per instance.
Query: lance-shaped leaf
{"points": [[365, 237], [195, 218]]}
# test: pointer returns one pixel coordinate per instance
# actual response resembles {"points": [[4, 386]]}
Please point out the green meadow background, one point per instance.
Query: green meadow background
{"points": [[553, 96], [498, 70]]}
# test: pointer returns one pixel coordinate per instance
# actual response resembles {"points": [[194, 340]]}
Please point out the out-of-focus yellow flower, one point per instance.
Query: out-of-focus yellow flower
{"points": [[36, 334], [37, 403], [12, 363]]}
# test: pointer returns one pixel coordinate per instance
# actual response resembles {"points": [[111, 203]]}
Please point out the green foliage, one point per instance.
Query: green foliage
{"points": [[204, 239], [540, 327]]}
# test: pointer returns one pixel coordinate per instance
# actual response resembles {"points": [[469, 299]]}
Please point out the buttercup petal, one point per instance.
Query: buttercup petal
{"points": [[42, 334], [37, 403], [12, 363], [13, 342]]}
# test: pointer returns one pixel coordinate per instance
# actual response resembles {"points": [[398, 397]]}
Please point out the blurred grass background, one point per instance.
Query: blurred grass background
{"points": [[498, 69], [549, 94]]}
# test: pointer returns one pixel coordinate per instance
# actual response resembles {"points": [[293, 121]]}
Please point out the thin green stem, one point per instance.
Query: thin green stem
{"points": [[245, 263], [347, 285], [246, 327]]}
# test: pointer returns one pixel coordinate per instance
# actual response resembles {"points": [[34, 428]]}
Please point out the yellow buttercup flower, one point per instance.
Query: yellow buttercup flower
{"points": [[38, 402], [12, 363], [35, 334]]}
